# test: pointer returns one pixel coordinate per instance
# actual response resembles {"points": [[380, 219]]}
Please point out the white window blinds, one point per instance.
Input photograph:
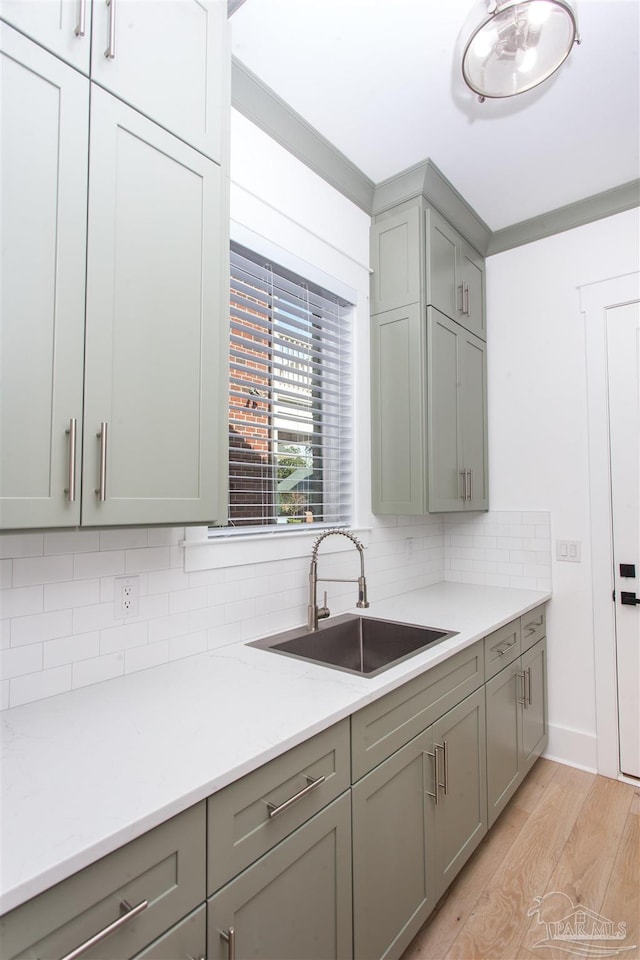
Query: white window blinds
{"points": [[290, 401]]}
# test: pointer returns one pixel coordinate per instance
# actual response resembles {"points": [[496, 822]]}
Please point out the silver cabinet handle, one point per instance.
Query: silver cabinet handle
{"points": [[523, 700], [502, 647], [470, 493], [460, 289], [82, 19], [463, 474], [533, 625], [436, 772], [527, 687], [131, 914], [230, 938], [110, 52], [445, 756], [70, 489], [467, 301], [311, 785], [102, 488]]}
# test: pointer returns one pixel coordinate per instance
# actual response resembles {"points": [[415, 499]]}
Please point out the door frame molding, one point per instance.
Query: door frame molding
{"points": [[595, 300]]}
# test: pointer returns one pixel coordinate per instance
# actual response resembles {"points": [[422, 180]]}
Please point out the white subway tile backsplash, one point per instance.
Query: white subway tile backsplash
{"points": [[40, 627], [149, 655], [33, 570], [124, 638], [75, 639], [6, 574], [38, 686], [19, 660], [80, 646], [77, 541], [73, 593], [21, 601], [21, 545], [98, 669], [104, 563], [151, 558]]}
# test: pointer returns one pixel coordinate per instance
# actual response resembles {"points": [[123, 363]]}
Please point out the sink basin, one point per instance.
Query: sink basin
{"points": [[361, 645]]}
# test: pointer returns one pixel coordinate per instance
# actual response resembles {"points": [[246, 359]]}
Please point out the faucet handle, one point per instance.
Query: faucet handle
{"points": [[323, 611]]}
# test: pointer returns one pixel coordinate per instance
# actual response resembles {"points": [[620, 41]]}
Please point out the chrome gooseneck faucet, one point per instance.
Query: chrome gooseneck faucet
{"points": [[315, 613]]}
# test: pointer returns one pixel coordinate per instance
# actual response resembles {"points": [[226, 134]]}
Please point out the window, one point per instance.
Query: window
{"points": [[290, 398]]}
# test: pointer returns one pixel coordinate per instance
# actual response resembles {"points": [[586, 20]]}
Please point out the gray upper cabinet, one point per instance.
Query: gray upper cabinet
{"points": [[163, 57], [103, 205], [45, 123], [61, 26], [428, 350], [455, 275], [153, 354]]}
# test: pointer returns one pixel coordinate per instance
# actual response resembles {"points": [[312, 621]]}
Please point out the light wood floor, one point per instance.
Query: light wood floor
{"points": [[565, 832]]}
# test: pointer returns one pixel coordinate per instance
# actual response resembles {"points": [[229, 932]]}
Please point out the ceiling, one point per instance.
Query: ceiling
{"points": [[380, 80]]}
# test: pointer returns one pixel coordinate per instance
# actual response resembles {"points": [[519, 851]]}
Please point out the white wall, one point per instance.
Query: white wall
{"points": [[538, 437]]}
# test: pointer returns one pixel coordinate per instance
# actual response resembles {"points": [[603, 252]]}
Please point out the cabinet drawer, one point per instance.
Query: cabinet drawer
{"points": [[188, 939], [501, 647], [247, 818], [165, 868], [534, 627], [382, 727]]}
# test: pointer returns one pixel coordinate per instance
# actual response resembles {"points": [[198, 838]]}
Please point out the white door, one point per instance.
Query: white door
{"points": [[623, 368]]}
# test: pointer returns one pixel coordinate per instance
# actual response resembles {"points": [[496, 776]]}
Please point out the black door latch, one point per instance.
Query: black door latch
{"points": [[629, 598]]}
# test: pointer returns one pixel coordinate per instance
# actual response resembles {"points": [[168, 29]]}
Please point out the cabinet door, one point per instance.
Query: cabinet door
{"points": [[473, 420], [443, 410], [295, 902], [471, 296], [397, 412], [393, 888], [504, 738], [62, 26], [442, 266], [460, 817], [156, 347], [395, 260], [166, 59], [534, 714], [45, 119]]}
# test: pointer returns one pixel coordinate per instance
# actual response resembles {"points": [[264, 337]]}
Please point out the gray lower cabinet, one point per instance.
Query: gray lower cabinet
{"points": [[124, 902], [516, 724], [294, 903], [417, 818], [186, 941], [460, 804], [394, 884]]}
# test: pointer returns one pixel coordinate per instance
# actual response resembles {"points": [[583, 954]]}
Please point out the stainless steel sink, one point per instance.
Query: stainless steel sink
{"points": [[361, 645]]}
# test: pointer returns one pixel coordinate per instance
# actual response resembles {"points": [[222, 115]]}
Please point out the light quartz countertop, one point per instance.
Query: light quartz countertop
{"points": [[87, 771]]}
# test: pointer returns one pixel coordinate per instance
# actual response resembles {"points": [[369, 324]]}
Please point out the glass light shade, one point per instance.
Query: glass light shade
{"points": [[518, 46]]}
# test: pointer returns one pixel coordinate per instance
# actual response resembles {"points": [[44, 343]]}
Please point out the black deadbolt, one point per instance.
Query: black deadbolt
{"points": [[627, 569]]}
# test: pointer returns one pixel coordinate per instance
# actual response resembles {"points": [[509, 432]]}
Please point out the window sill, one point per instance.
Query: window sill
{"points": [[235, 550]]}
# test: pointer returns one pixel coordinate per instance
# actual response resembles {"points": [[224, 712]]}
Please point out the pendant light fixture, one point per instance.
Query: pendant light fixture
{"points": [[517, 45]]}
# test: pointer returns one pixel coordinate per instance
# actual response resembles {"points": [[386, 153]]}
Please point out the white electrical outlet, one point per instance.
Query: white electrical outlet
{"points": [[126, 597]]}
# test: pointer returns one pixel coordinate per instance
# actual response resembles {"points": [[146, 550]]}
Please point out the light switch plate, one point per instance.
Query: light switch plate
{"points": [[569, 551]]}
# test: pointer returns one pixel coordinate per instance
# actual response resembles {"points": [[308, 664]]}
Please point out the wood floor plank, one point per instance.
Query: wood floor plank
{"points": [[495, 928], [437, 935], [622, 899], [582, 874]]}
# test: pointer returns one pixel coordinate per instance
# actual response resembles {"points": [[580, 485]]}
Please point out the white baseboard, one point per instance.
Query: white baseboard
{"points": [[575, 748]]}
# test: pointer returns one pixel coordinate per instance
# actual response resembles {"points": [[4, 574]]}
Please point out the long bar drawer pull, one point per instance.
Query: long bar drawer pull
{"points": [[523, 700], [311, 785], [501, 648], [101, 491], [230, 938], [70, 489], [80, 30], [131, 914], [436, 772], [110, 52], [533, 625]]}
